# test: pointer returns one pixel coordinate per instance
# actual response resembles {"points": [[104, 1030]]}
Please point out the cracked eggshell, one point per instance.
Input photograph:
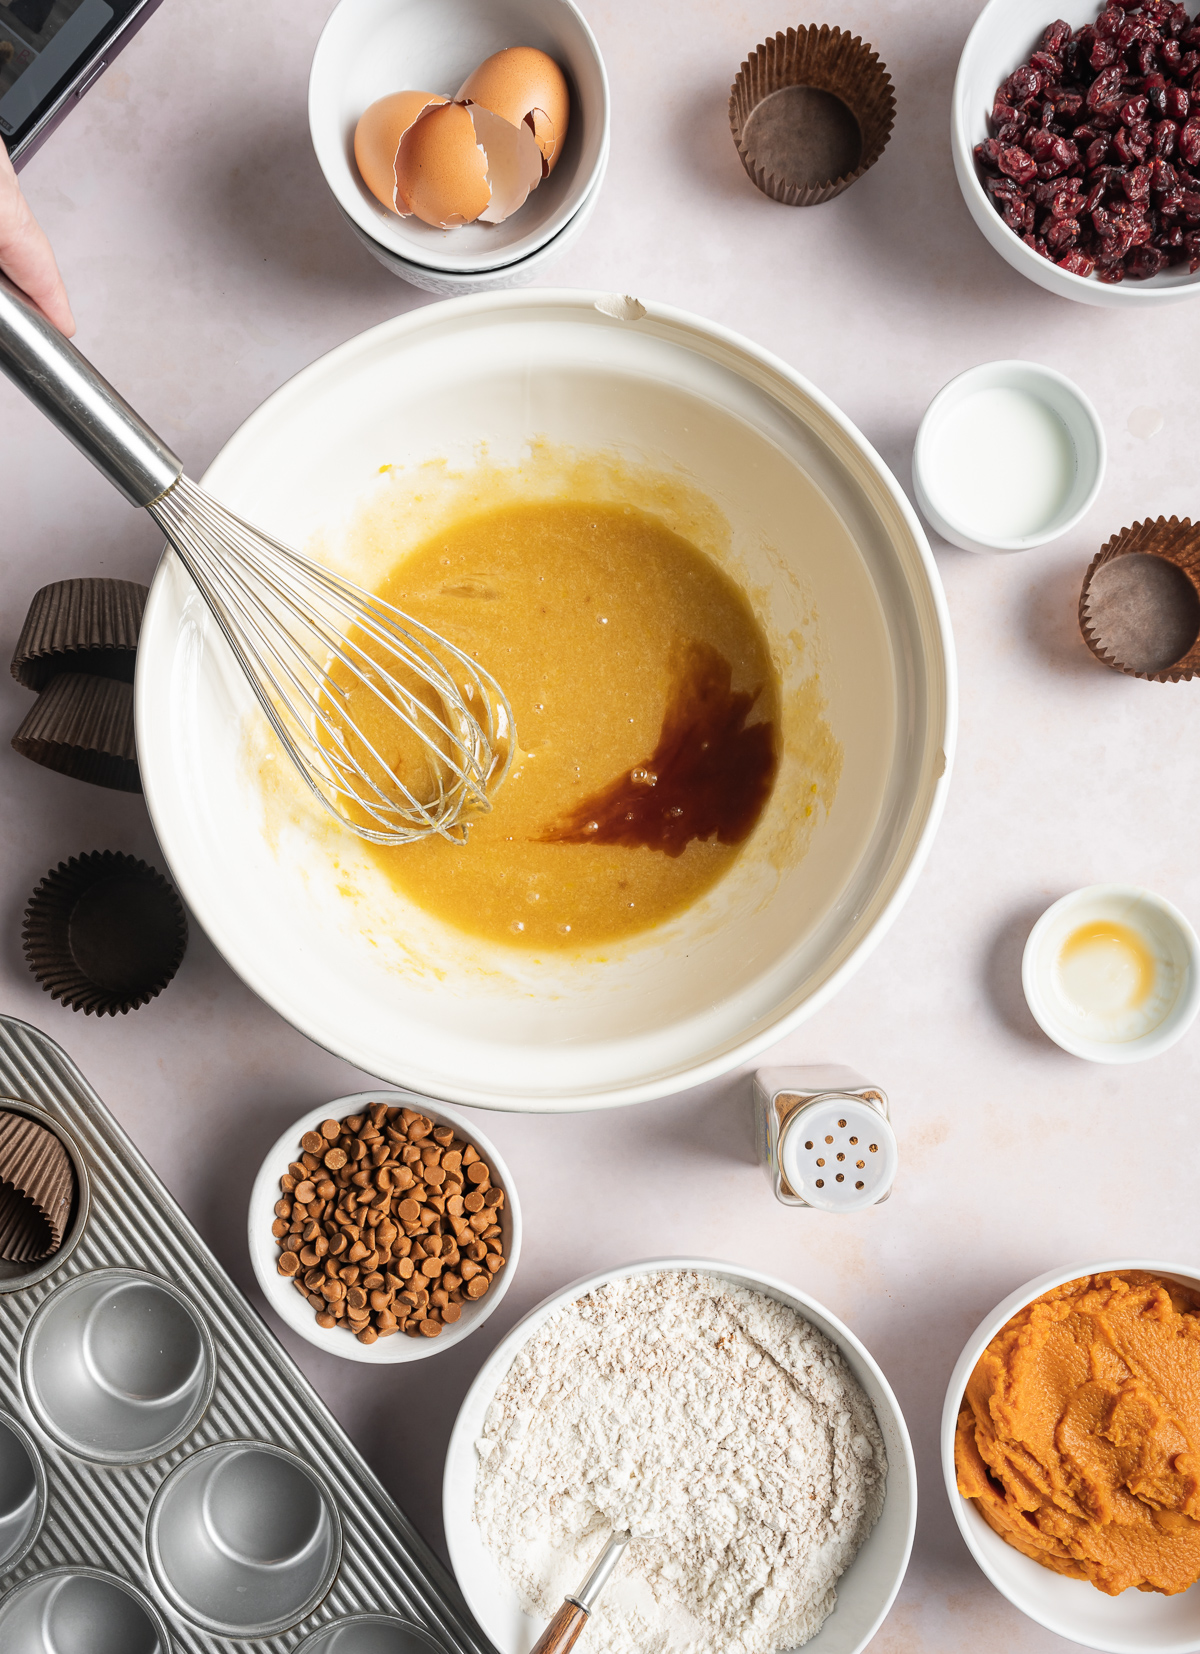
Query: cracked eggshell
{"points": [[377, 140], [441, 169], [514, 162], [525, 87]]}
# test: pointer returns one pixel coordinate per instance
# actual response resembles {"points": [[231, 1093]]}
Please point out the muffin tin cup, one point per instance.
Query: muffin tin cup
{"points": [[16, 1274], [118, 1366], [1139, 610], [22, 1493], [86, 625], [810, 111], [80, 1611], [370, 1634], [244, 1539]]}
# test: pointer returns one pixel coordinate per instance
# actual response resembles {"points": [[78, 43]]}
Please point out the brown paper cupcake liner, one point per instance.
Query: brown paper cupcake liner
{"points": [[83, 726], [104, 933], [810, 112], [1139, 610], [37, 1190], [80, 626]]}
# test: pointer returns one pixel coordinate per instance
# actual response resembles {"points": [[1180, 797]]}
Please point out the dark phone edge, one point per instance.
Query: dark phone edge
{"points": [[65, 100]]}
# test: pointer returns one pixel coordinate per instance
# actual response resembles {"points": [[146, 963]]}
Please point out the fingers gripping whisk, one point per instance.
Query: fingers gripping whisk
{"points": [[399, 733]]}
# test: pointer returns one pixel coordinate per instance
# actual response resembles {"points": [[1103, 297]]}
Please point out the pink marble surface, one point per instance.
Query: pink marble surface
{"points": [[206, 263]]}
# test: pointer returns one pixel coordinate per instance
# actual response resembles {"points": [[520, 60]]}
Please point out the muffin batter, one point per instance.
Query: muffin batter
{"points": [[646, 710], [1079, 1435]]}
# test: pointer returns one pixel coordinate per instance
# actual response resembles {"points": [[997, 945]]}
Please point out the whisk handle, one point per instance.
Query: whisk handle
{"points": [[84, 406]]}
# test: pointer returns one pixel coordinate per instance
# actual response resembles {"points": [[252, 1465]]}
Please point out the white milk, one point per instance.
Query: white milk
{"points": [[1002, 464]]}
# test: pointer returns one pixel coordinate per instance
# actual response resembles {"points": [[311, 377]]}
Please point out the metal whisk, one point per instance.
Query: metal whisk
{"points": [[315, 648]]}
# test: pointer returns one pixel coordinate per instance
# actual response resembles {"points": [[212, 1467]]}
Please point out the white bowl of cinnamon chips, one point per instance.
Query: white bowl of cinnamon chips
{"points": [[384, 1227]]}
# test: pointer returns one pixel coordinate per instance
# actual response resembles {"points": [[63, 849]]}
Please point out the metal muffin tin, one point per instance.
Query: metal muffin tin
{"points": [[169, 1482]]}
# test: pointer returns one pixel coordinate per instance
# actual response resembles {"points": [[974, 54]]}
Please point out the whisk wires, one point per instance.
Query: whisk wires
{"points": [[340, 674]]}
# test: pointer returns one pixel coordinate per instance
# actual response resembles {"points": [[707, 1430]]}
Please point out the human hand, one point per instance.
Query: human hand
{"points": [[25, 254]]}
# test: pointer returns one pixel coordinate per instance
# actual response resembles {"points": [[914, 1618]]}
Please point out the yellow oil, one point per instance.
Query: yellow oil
{"points": [[1105, 968]]}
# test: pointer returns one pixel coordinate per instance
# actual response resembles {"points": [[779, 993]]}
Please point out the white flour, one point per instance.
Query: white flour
{"points": [[710, 1418]]}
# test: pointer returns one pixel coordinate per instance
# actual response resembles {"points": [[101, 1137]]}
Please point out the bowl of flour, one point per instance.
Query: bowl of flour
{"points": [[740, 1431]]}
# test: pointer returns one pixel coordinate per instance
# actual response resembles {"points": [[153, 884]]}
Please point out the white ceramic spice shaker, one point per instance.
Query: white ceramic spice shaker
{"points": [[824, 1137]]}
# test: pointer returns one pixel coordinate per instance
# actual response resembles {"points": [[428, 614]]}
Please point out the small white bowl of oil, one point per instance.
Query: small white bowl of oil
{"points": [[1112, 973], [1009, 455]]}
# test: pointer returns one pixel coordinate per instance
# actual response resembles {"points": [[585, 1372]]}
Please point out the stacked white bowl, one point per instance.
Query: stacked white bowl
{"points": [[370, 48]]}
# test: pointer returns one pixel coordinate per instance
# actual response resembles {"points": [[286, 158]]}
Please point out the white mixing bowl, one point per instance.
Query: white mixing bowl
{"points": [[1136, 1622], [865, 1591], [818, 534]]}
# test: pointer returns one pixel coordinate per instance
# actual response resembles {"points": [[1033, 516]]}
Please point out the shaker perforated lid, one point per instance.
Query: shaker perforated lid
{"points": [[839, 1154]]}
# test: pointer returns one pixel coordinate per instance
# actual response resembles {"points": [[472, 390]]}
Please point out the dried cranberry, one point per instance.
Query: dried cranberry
{"points": [[1017, 164], [1097, 150], [1178, 103], [1079, 264], [1189, 205], [1145, 262], [1048, 66], [1166, 136], [1111, 270], [1105, 87], [1068, 105], [1056, 37], [1163, 177], [1062, 232], [1136, 184], [1189, 141], [1169, 54], [1002, 112]]}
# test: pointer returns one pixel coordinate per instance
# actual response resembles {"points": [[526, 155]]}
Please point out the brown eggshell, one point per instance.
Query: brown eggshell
{"points": [[441, 172], [523, 84], [377, 138], [514, 162]]}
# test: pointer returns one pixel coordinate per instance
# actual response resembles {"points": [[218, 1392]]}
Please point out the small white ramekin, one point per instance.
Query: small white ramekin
{"points": [[865, 1591], [1063, 398], [1141, 910], [369, 48], [296, 1311], [1136, 1622]]}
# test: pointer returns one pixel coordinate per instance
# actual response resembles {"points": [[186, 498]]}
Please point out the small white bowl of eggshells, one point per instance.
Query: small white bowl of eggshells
{"points": [[465, 141]]}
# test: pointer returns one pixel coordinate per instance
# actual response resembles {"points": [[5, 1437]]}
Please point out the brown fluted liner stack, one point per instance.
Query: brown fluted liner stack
{"points": [[80, 626], [1139, 610], [104, 933], [37, 1189], [83, 726], [78, 648], [810, 111]]}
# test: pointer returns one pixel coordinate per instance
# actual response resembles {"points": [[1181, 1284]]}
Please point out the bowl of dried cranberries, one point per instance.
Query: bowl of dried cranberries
{"points": [[1076, 143]]}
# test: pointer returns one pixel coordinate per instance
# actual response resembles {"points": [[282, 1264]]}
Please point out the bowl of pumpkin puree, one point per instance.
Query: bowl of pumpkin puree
{"points": [[1071, 1451]]}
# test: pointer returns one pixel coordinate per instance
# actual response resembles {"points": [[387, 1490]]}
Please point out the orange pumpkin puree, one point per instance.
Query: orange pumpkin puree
{"points": [[1079, 1435]]}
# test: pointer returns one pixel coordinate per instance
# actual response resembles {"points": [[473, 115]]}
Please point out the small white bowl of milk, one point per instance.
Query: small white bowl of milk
{"points": [[1112, 973], [1009, 455]]}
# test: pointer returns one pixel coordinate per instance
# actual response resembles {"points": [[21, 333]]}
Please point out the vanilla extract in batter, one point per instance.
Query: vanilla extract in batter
{"points": [[644, 699]]}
